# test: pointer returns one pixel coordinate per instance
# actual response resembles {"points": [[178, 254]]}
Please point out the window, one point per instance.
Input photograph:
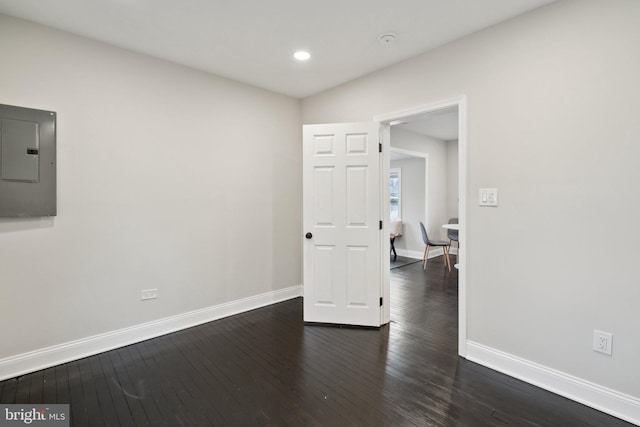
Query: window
{"points": [[394, 194]]}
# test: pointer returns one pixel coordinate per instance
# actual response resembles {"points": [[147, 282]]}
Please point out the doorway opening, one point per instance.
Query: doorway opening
{"points": [[445, 195]]}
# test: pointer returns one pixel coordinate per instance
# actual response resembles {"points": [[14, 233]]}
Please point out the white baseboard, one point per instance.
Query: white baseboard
{"points": [[410, 254], [609, 401], [21, 364], [436, 252]]}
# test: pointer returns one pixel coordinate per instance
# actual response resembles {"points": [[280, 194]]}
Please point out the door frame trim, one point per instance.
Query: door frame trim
{"points": [[388, 119]]}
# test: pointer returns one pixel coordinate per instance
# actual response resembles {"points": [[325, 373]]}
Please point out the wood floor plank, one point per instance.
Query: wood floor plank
{"points": [[110, 393], [121, 381], [9, 391]]}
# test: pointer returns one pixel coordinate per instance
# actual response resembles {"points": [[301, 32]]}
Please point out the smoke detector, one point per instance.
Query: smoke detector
{"points": [[387, 38]]}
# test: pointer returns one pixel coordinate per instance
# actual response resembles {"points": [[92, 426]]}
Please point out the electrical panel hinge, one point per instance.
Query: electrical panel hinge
{"points": [[380, 225], [380, 301], [380, 147]]}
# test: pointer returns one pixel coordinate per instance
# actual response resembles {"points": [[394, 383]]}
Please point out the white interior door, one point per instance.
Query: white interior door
{"points": [[341, 219]]}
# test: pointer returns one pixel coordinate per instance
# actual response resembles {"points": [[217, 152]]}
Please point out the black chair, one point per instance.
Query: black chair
{"points": [[434, 243]]}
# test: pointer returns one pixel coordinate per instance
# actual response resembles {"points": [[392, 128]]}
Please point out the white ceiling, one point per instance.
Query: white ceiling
{"points": [[441, 124], [252, 41], [394, 155]]}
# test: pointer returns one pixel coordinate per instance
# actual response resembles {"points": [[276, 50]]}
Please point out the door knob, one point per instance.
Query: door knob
{"points": [[308, 235]]}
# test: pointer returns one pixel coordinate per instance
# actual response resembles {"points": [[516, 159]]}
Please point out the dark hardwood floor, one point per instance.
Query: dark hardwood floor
{"points": [[266, 367]]}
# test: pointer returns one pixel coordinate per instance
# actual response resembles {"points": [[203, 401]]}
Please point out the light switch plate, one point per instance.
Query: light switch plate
{"points": [[488, 197]]}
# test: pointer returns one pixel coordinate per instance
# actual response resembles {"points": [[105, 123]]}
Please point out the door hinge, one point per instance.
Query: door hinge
{"points": [[379, 147], [380, 301], [380, 225]]}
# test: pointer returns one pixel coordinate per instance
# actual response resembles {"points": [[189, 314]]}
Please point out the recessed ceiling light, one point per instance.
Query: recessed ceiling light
{"points": [[302, 55]]}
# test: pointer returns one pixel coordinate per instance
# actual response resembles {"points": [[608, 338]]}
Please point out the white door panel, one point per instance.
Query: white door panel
{"points": [[342, 259]]}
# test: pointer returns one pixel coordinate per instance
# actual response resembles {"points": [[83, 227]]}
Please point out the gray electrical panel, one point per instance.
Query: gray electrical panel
{"points": [[27, 162]]}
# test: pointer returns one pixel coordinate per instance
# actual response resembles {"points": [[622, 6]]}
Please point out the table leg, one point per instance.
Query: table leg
{"points": [[393, 248]]}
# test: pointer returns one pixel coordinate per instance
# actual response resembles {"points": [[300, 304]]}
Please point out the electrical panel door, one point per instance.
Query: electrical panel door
{"points": [[27, 162]]}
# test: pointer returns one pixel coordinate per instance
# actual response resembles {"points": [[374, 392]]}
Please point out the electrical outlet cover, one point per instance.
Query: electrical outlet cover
{"points": [[602, 342], [146, 294]]}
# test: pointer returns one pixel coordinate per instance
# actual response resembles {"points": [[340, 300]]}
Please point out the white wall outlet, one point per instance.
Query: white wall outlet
{"points": [[488, 197], [602, 342], [148, 294]]}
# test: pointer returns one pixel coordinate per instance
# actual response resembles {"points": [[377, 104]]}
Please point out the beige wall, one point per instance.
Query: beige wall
{"points": [[412, 193], [553, 123], [168, 178]]}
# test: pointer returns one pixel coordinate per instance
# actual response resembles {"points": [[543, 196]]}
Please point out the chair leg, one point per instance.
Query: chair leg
{"points": [[425, 258], [447, 259]]}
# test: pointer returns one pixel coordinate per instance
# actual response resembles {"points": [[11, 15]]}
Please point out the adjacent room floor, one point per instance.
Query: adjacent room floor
{"points": [[265, 367]]}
